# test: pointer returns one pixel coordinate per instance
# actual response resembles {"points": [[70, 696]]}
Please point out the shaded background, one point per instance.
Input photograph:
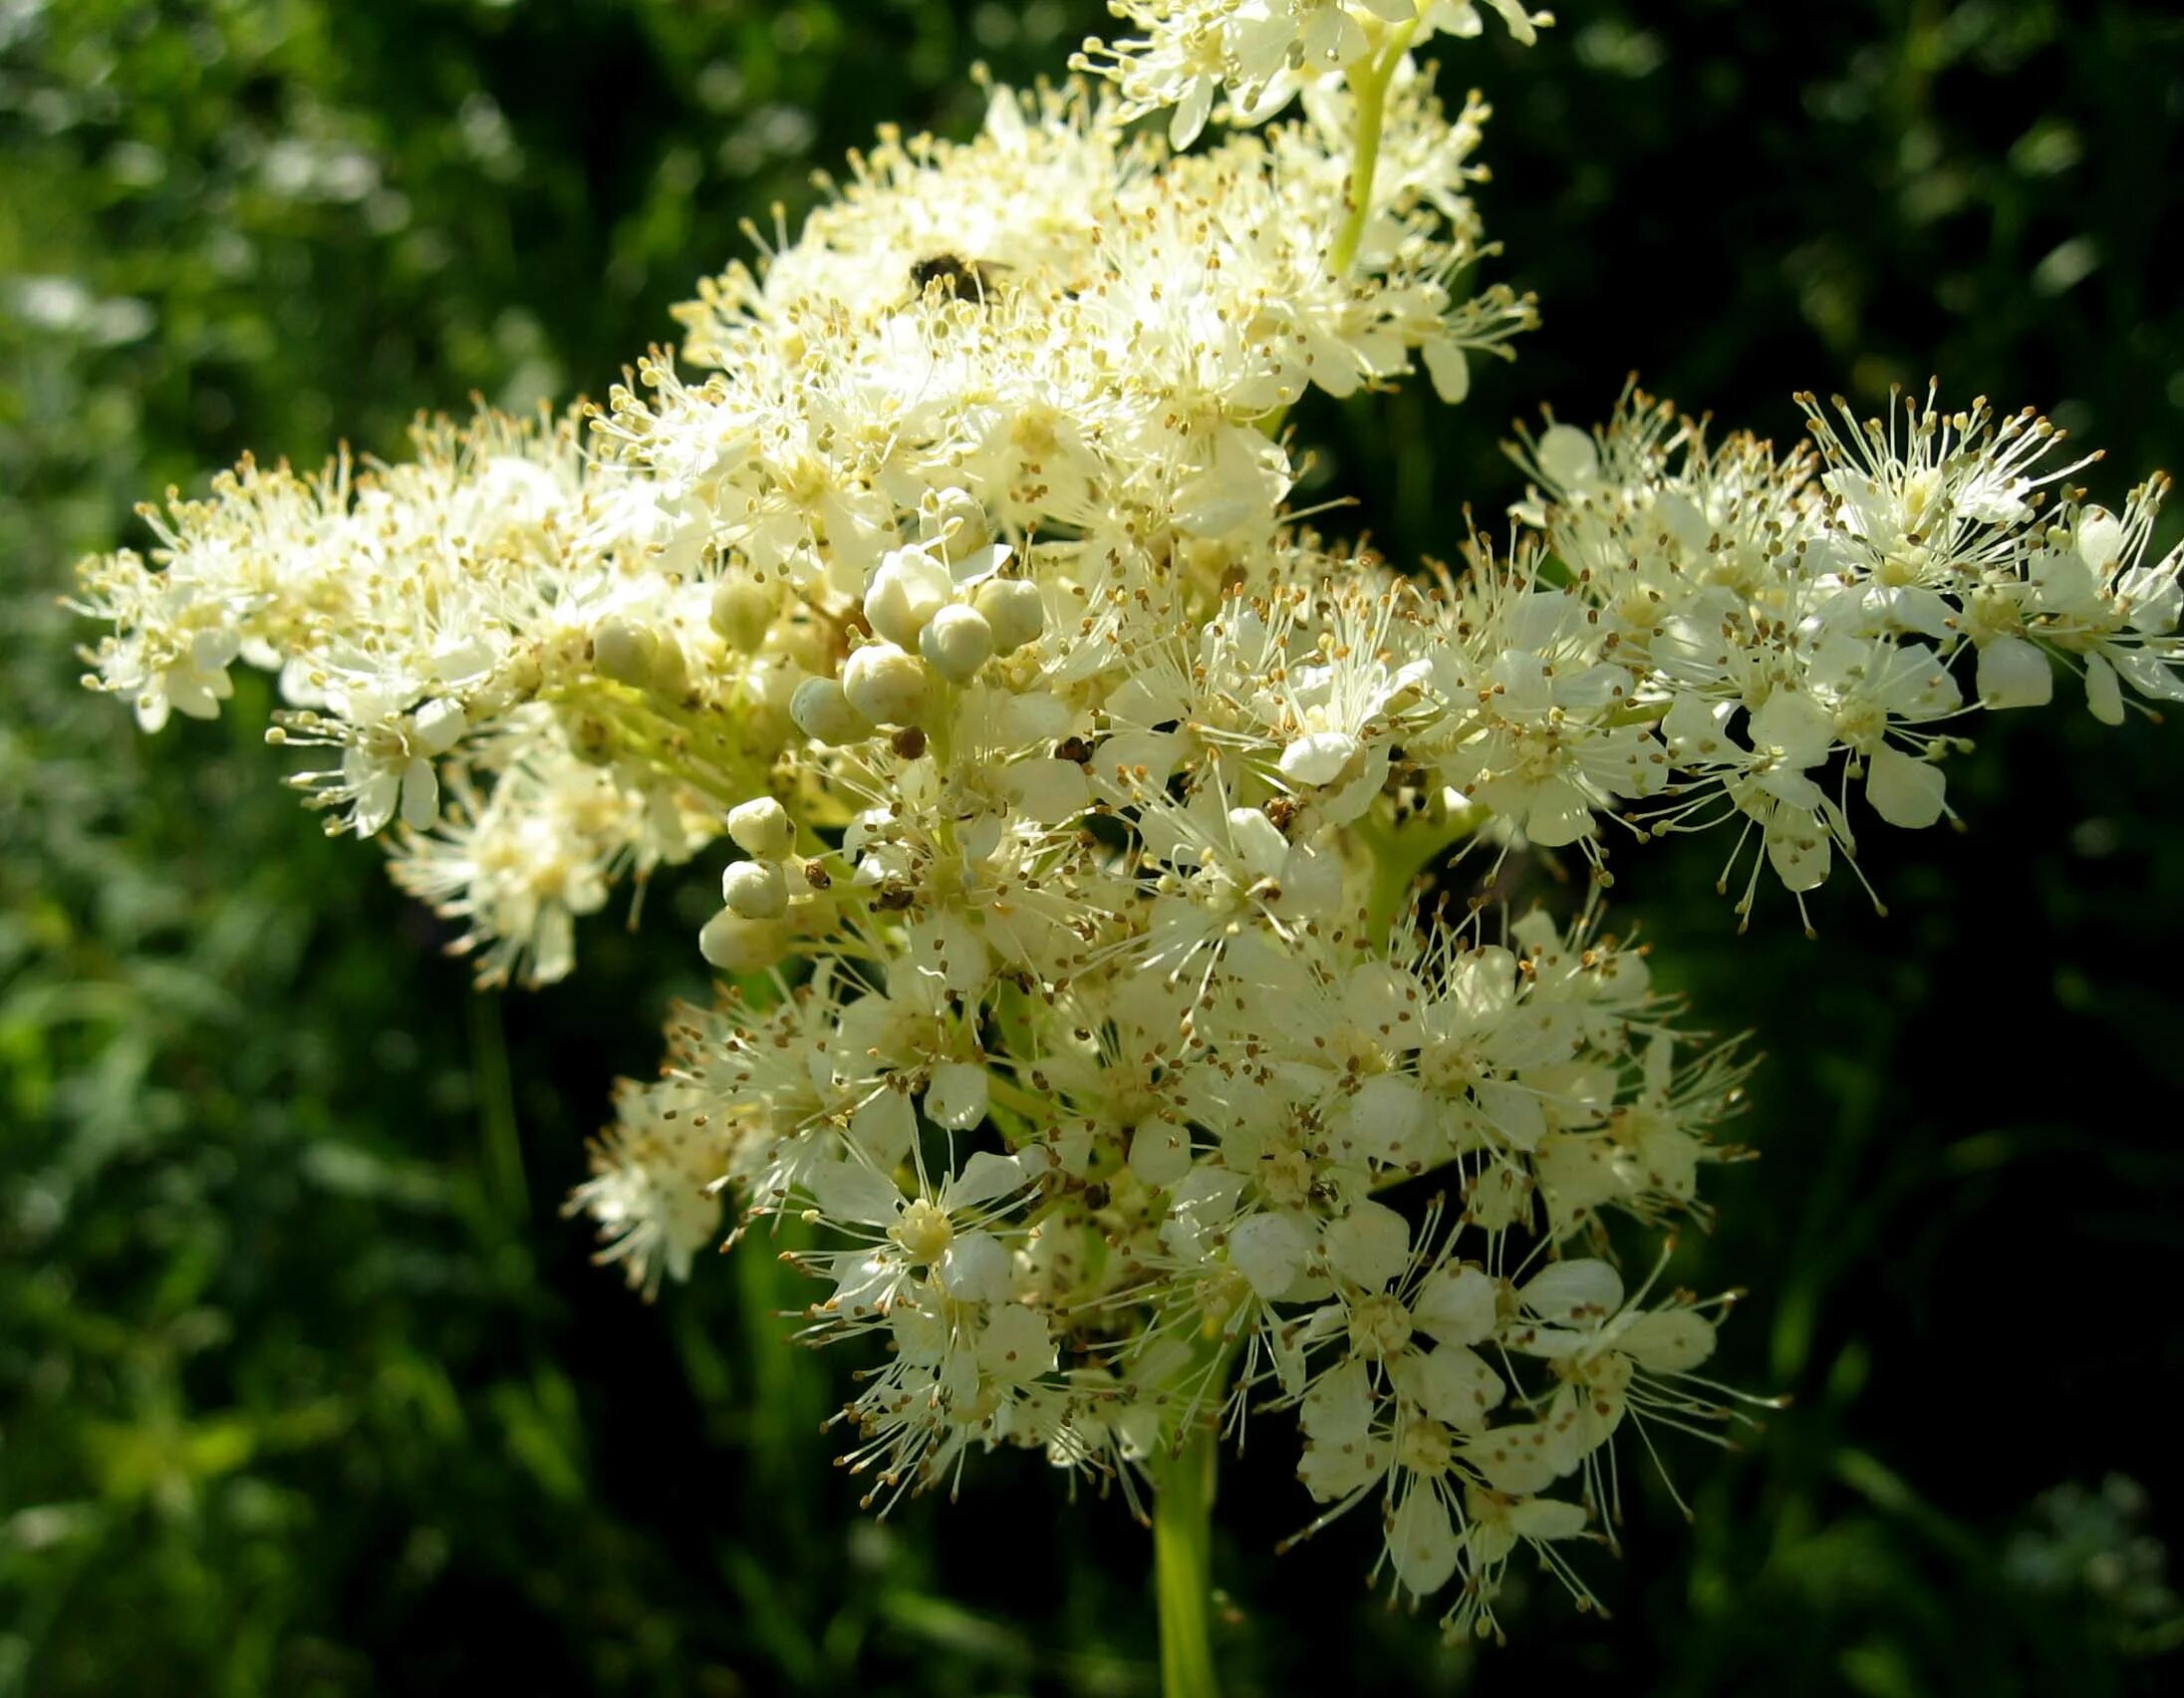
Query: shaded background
{"points": [[304, 1385]]}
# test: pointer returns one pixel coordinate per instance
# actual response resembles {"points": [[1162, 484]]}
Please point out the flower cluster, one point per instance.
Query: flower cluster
{"points": [[1771, 630], [1092, 1040]]}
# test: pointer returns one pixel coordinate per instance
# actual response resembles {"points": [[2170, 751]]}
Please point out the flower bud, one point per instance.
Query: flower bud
{"points": [[736, 945], [762, 827], [624, 651], [956, 643], [956, 519], [755, 890], [743, 613], [908, 590], [885, 684], [1013, 610], [671, 674], [823, 714]]}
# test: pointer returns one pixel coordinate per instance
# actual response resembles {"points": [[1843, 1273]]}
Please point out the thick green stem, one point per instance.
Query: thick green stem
{"points": [[1371, 93], [1370, 87], [1183, 1544], [1402, 854]]}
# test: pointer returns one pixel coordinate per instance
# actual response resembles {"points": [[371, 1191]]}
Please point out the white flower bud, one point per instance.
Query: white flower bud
{"points": [[885, 684], [906, 591], [823, 713], [756, 890], [1013, 609], [624, 651], [956, 519], [671, 674], [957, 642], [761, 827], [743, 613], [736, 945]]}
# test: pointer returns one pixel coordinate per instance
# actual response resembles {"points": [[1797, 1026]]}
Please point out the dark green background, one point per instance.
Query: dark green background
{"points": [[304, 1385]]}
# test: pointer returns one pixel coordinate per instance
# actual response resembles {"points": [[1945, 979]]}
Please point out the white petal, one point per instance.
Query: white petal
{"points": [[2014, 674], [1583, 1288], [1546, 1517], [1450, 370], [1514, 1112], [1797, 848], [956, 1098], [852, 1192], [1420, 1542], [1567, 456], [1368, 1245], [1339, 1407], [1015, 1345], [1160, 1153], [1259, 843], [1453, 1384], [2104, 694], [1514, 1458], [1904, 791], [1668, 1341], [1455, 1305], [984, 1178], [1318, 758], [1267, 1250], [974, 1270], [1336, 1470]]}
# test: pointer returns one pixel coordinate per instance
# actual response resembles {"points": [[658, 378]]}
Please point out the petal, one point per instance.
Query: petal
{"points": [[1422, 1544], [1453, 1384], [1904, 791], [1455, 1306], [2014, 674], [1160, 1153], [986, 1176], [957, 1097], [1016, 1345], [974, 1270], [1566, 455], [1565, 1293], [1668, 1341], [1546, 1517], [1318, 758], [1267, 1250], [852, 1192], [1368, 1245], [2104, 694], [1512, 1459], [1339, 1407]]}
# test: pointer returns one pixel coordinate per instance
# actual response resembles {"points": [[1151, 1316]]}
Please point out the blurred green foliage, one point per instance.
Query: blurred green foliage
{"points": [[304, 1385]]}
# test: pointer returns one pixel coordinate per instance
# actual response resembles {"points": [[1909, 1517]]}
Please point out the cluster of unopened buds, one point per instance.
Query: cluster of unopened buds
{"points": [[1090, 1039]]}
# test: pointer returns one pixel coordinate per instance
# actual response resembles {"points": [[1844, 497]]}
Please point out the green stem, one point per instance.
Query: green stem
{"points": [[1183, 1548], [1402, 854], [503, 1145], [1371, 89]]}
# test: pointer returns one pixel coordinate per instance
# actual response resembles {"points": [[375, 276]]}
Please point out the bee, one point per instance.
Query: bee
{"points": [[963, 279]]}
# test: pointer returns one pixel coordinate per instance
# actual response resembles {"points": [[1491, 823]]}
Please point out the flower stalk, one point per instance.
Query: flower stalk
{"points": [[1183, 1537]]}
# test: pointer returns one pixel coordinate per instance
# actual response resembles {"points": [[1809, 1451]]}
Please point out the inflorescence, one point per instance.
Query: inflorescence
{"points": [[1087, 1030]]}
